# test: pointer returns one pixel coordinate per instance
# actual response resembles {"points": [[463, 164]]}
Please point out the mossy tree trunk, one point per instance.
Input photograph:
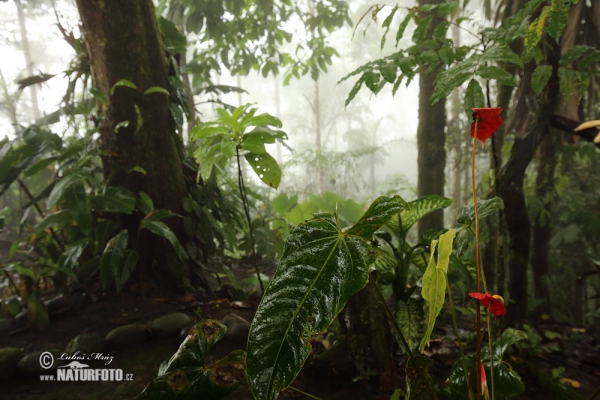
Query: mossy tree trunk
{"points": [[431, 138], [123, 42]]}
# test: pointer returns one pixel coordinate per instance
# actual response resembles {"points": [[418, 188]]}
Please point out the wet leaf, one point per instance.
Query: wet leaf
{"points": [[321, 267]]}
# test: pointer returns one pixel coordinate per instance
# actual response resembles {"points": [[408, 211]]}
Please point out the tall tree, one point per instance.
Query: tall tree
{"points": [[123, 42], [431, 137]]}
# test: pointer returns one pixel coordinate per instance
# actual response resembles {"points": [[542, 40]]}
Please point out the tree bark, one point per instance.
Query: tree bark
{"points": [[123, 42], [510, 187], [542, 224], [431, 139]]}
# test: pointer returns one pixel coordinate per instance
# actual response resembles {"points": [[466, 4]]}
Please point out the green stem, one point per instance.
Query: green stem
{"points": [[303, 393], [242, 188], [460, 347]]}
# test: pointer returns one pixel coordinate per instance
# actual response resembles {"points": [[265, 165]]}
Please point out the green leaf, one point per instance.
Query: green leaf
{"points": [[139, 120], [568, 82], [64, 183], [158, 215], [434, 282], [266, 168], [161, 229], [388, 71], [417, 209], [535, 30], [573, 54], [122, 124], [216, 382], [101, 97], [499, 74], [540, 77], [321, 267], [409, 316], [452, 78], [418, 381], [500, 54], [114, 199], [122, 82], [386, 24], [126, 267], [507, 382], [194, 349], [255, 142], [354, 90], [146, 205], [485, 209], [509, 337], [557, 17], [56, 220], [420, 31], [156, 89], [112, 257], [174, 41], [473, 97], [404, 24]]}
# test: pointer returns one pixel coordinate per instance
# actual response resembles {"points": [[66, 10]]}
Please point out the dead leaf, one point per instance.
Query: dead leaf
{"points": [[570, 382]]}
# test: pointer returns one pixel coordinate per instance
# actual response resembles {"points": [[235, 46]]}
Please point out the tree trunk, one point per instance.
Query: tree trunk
{"points": [[431, 139], [28, 61], [510, 187], [542, 224], [123, 42]]}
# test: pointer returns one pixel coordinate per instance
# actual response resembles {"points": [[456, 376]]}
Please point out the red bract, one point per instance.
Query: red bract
{"points": [[486, 121], [494, 303], [484, 389]]}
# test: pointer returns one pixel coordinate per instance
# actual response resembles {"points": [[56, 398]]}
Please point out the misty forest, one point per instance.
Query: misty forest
{"points": [[312, 199]]}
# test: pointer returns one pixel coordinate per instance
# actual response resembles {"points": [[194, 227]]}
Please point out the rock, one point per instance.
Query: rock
{"points": [[87, 343], [32, 363], [237, 328], [5, 324], [9, 358], [169, 325], [183, 333], [126, 335]]}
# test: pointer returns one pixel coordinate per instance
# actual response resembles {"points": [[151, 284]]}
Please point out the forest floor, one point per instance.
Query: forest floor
{"points": [[563, 364]]}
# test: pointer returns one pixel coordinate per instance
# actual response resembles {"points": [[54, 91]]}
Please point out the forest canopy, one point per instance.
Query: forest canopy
{"points": [[373, 172]]}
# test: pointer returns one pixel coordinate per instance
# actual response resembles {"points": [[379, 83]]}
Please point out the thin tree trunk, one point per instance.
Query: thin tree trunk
{"points": [[431, 139], [278, 150], [28, 61], [317, 118], [10, 104], [123, 43]]}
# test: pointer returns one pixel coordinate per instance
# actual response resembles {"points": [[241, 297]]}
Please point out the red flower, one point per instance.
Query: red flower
{"points": [[494, 303], [484, 388], [486, 121]]}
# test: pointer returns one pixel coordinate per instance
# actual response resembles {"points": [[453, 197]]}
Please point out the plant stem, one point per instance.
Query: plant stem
{"points": [[242, 188], [399, 332], [304, 393], [489, 326], [477, 266], [460, 347], [40, 213]]}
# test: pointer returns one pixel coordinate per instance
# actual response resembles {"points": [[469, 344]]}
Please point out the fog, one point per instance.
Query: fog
{"points": [[371, 144]]}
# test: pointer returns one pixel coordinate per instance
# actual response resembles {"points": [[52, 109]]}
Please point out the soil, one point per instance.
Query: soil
{"points": [[576, 349]]}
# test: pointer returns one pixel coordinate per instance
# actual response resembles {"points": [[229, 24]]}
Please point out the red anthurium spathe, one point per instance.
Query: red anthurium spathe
{"points": [[484, 388], [485, 122], [494, 303]]}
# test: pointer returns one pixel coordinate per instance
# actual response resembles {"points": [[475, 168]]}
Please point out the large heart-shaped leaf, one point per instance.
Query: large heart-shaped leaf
{"points": [[321, 267]]}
